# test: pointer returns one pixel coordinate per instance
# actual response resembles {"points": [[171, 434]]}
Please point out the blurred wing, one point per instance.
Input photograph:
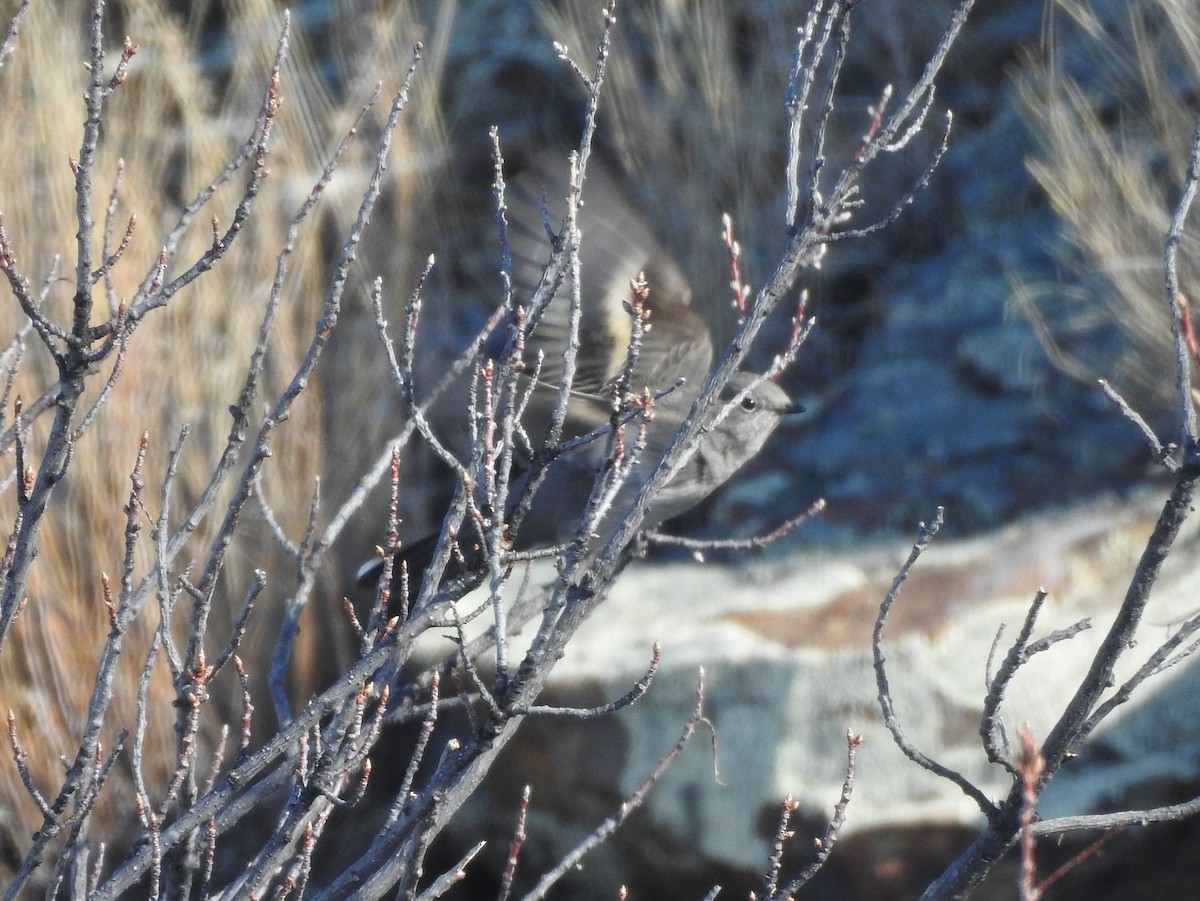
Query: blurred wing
{"points": [[615, 246]]}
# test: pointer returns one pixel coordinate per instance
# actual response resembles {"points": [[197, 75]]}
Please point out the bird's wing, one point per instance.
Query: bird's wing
{"points": [[616, 245]]}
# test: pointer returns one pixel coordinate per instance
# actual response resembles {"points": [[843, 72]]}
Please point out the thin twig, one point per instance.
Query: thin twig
{"points": [[1183, 360], [990, 727], [628, 699], [699, 545], [1160, 452], [826, 843], [598, 835], [924, 537], [14, 28]]}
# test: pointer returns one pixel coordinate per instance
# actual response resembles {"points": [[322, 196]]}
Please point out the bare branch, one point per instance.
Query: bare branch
{"points": [[826, 843], [632, 803], [1183, 361], [924, 537], [14, 29], [628, 699], [1160, 452]]}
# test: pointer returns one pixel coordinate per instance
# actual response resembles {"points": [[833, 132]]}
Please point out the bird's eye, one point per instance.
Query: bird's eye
{"points": [[749, 403]]}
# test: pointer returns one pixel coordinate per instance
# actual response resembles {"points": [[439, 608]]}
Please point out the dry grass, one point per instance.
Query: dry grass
{"points": [[174, 128], [1114, 151]]}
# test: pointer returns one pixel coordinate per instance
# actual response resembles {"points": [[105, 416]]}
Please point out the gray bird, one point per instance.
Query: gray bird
{"points": [[676, 349]]}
